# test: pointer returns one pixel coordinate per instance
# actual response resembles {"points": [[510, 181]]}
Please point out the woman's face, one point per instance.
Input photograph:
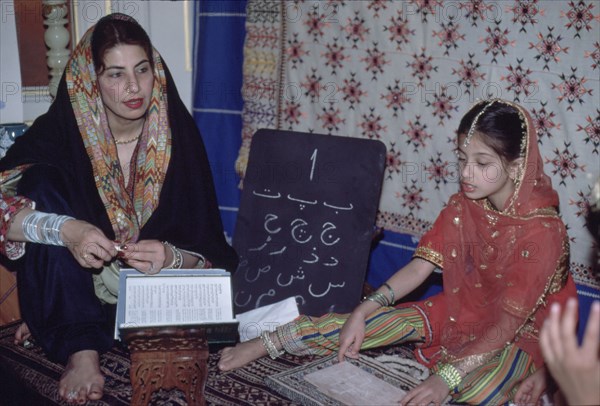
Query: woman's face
{"points": [[483, 173], [126, 83]]}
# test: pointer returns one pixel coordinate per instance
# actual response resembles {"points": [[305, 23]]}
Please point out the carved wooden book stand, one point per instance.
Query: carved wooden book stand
{"points": [[167, 358]]}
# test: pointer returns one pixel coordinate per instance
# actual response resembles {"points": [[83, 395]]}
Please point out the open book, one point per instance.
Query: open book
{"points": [[177, 297]]}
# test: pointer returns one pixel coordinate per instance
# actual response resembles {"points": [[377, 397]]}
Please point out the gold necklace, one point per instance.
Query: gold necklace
{"points": [[130, 140]]}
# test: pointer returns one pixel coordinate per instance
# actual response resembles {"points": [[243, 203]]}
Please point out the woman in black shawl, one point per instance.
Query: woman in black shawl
{"points": [[115, 173]]}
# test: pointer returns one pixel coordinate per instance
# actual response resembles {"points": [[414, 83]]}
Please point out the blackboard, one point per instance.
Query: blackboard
{"points": [[306, 220]]}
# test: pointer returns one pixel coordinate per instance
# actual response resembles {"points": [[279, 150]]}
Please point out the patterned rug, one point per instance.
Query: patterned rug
{"points": [[28, 378]]}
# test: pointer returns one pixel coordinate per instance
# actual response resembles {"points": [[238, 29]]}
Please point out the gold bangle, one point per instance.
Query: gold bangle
{"points": [[450, 375]]}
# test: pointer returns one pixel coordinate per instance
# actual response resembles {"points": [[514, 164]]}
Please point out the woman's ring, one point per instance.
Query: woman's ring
{"points": [[71, 395], [85, 256]]}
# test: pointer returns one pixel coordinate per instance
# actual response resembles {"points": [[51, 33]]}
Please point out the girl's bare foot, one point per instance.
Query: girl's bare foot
{"points": [[241, 354], [82, 379], [22, 334]]}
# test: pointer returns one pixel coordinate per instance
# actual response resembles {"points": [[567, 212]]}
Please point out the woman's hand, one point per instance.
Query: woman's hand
{"points": [[147, 256], [352, 335], [87, 243], [433, 390]]}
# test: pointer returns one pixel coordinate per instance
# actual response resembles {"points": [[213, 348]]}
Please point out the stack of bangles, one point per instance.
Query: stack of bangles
{"points": [[44, 228], [450, 375], [177, 262], [270, 346], [381, 299]]}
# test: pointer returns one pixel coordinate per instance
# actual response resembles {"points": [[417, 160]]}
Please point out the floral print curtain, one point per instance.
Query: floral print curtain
{"points": [[404, 73]]}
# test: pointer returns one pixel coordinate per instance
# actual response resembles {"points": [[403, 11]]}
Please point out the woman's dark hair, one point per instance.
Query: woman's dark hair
{"points": [[117, 29], [500, 125]]}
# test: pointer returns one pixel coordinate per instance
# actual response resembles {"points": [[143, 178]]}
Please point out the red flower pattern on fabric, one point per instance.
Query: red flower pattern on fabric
{"points": [[416, 133], [443, 106], [582, 204], [393, 163], [335, 57], [377, 6], [594, 55], [592, 131], [396, 97], [412, 197], [519, 81], [449, 36], [548, 48], [331, 119], [496, 41], [580, 16], [572, 89], [375, 61], [371, 125], [476, 10], [352, 91], [525, 12], [440, 171], [422, 66], [469, 75], [399, 30], [565, 163], [312, 86], [544, 122], [356, 31]]}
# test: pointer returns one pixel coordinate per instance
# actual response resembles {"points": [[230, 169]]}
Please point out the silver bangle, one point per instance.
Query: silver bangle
{"points": [[44, 228], [177, 262], [378, 298], [392, 296], [270, 346]]}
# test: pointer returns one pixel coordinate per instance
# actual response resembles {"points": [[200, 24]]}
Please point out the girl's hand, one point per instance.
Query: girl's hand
{"points": [[531, 388], [87, 243], [352, 336], [147, 256], [431, 391]]}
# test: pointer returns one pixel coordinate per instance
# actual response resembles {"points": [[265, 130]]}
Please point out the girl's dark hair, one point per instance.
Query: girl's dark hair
{"points": [[499, 126], [117, 29]]}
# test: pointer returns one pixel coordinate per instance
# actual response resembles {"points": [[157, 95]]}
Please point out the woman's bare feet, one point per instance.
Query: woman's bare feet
{"points": [[241, 354], [22, 334], [82, 379]]}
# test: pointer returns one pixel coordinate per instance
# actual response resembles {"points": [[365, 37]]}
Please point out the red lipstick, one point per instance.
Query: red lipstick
{"points": [[134, 103]]}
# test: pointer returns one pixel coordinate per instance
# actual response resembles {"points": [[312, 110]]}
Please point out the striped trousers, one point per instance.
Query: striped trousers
{"points": [[493, 383]]}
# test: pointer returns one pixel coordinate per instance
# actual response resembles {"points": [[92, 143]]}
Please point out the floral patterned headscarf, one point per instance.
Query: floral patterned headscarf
{"points": [[126, 215]]}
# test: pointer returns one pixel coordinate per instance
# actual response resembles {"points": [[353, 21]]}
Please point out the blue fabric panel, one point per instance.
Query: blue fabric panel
{"points": [[219, 32], [586, 297], [390, 254]]}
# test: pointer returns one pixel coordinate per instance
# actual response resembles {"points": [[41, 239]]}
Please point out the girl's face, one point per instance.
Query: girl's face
{"points": [[483, 173], [126, 83]]}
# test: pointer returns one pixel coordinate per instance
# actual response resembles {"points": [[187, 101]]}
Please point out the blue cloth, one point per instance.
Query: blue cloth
{"points": [[219, 33], [392, 252]]}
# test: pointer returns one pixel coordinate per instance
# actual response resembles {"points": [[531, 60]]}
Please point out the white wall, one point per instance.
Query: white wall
{"points": [[168, 23], [10, 73]]}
